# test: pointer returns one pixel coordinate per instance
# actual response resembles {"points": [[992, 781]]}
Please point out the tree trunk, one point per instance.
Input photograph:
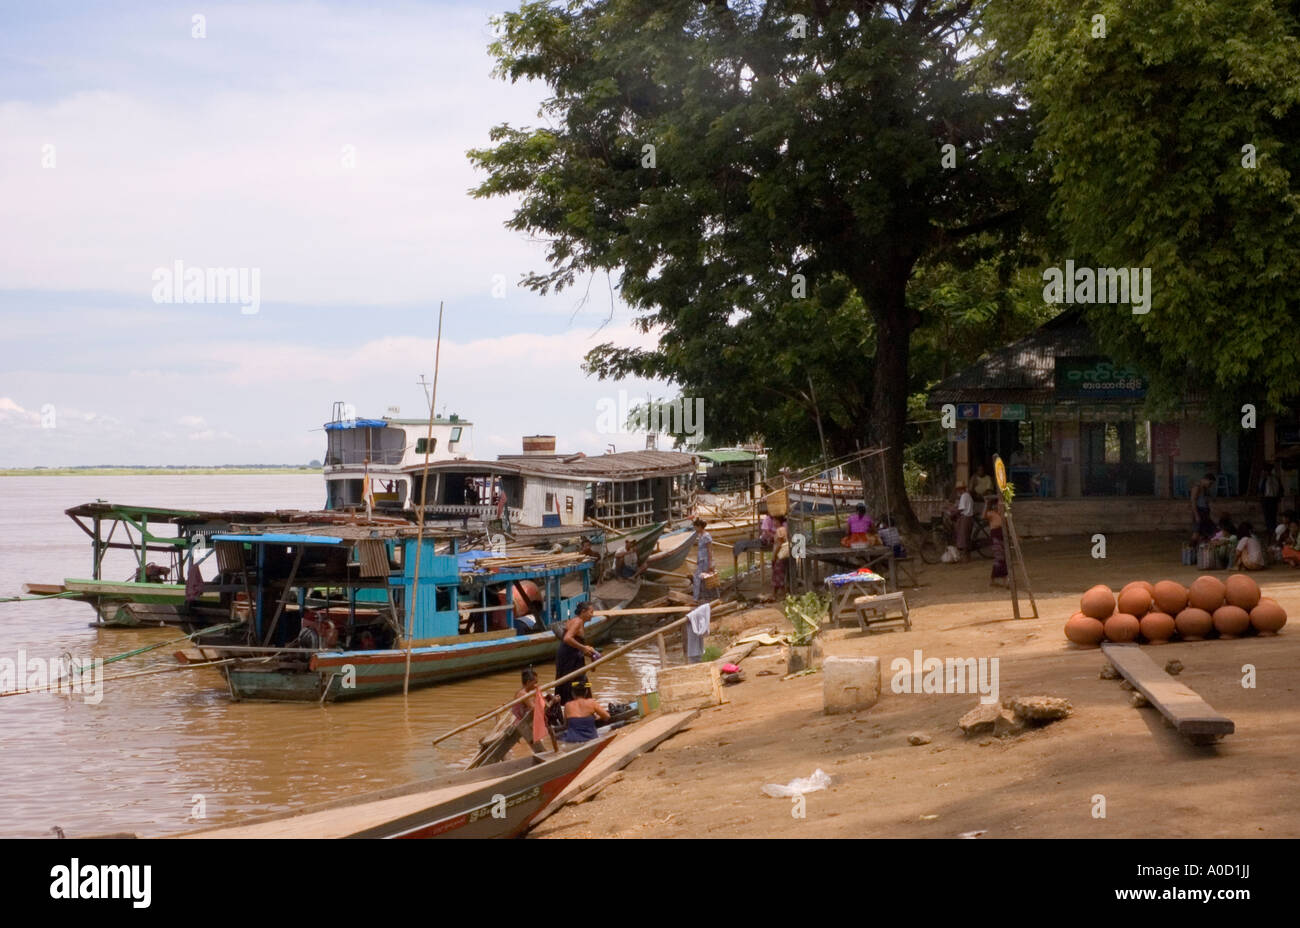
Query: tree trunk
{"points": [[888, 423]]}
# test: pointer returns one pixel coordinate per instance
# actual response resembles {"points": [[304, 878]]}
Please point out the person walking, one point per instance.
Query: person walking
{"points": [[703, 558], [780, 558]]}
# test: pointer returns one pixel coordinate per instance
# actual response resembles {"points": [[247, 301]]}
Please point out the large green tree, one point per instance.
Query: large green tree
{"points": [[1173, 129], [763, 179]]}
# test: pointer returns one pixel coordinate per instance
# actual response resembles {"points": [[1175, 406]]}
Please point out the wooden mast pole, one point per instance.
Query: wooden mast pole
{"points": [[424, 498]]}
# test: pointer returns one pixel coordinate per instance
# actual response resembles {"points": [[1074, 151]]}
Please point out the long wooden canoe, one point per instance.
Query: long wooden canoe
{"points": [[495, 801]]}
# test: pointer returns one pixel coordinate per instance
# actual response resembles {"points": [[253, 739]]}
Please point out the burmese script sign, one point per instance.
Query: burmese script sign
{"points": [[1098, 378]]}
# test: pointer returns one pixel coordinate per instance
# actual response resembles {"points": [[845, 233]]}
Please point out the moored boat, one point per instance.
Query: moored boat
{"points": [[325, 616], [494, 801]]}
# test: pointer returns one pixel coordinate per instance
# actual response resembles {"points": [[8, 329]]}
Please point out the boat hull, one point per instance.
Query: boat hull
{"points": [[494, 801], [335, 675]]}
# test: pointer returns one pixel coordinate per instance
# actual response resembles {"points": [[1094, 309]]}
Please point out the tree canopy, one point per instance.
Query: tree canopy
{"points": [[763, 179], [1173, 129]]}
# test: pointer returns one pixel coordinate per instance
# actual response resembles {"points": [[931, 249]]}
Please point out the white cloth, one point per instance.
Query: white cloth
{"points": [[697, 626], [966, 505], [1250, 551]]}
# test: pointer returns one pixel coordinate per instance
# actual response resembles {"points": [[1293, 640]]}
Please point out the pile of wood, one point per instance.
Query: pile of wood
{"points": [[539, 560]]}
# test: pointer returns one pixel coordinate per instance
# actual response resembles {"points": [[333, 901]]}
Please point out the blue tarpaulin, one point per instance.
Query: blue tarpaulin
{"points": [[356, 424], [280, 539]]}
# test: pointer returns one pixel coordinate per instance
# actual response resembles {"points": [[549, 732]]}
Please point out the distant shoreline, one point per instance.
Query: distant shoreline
{"points": [[269, 470]]}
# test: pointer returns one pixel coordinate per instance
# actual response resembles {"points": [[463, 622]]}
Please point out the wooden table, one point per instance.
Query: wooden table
{"points": [[844, 593], [875, 557]]}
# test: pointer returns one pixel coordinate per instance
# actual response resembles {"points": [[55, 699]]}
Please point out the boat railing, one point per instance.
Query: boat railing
{"points": [[467, 511], [359, 458]]}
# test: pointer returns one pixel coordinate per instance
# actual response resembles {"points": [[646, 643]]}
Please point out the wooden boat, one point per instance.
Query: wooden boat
{"points": [[495, 801], [295, 646]]}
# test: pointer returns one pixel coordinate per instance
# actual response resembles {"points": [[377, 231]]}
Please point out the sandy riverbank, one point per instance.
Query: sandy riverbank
{"points": [[707, 781]]}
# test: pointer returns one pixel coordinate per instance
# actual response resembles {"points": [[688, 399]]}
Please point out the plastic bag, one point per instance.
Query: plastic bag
{"points": [[818, 780]]}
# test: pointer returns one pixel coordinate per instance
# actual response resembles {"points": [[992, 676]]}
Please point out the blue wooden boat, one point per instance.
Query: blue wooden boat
{"points": [[326, 614]]}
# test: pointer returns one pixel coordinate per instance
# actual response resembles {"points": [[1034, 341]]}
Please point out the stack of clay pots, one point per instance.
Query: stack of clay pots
{"points": [[1157, 613]]}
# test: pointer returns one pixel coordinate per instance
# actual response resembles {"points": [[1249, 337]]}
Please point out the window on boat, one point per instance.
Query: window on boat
{"points": [[550, 502], [421, 444], [455, 435]]}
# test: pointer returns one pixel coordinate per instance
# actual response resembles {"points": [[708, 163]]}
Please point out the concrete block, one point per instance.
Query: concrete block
{"points": [[692, 686], [850, 683]]}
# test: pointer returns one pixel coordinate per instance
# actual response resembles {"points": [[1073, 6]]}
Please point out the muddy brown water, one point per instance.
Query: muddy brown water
{"points": [[157, 750]]}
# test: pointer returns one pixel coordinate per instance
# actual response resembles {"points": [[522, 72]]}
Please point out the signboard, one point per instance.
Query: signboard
{"points": [[990, 410], [1098, 378], [1000, 472]]}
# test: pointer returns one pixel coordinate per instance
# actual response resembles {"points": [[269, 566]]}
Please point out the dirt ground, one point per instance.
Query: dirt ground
{"points": [[707, 781]]}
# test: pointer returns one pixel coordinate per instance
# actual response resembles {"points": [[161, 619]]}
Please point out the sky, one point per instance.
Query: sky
{"points": [[320, 148]]}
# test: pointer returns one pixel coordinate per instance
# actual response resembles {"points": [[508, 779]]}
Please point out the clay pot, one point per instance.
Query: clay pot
{"points": [[1231, 621], [1170, 597], [1193, 624], [1122, 627], [1241, 590], [1268, 617], [1145, 584], [1157, 627], [1135, 600], [1206, 593], [1084, 631], [1098, 602]]}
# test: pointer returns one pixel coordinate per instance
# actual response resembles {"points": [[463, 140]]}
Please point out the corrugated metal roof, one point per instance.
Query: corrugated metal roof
{"points": [[1021, 372], [729, 456], [623, 465]]}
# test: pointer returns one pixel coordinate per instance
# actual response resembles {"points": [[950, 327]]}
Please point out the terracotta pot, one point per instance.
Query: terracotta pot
{"points": [[1206, 593], [1170, 597], [1144, 584], [1122, 627], [1231, 621], [1084, 631], [1098, 602], [1268, 617], [1194, 624], [1135, 600], [1241, 590], [1157, 627]]}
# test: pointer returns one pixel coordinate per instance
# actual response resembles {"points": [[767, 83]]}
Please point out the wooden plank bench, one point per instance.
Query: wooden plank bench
{"points": [[1191, 715], [875, 610]]}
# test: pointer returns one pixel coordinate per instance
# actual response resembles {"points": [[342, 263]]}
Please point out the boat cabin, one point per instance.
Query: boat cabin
{"points": [[365, 458], [620, 490]]}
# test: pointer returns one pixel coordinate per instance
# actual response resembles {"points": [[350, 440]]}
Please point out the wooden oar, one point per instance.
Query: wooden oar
{"points": [[566, 678]]}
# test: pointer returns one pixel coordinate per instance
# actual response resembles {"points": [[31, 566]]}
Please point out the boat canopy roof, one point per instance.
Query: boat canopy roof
{"points": [[280, 539], [623, 465], [356, 424]]}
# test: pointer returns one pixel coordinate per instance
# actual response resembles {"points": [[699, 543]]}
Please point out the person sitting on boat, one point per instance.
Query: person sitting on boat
{"points": [[569, 655], [861, 529], [581, 713], [627, 560]]}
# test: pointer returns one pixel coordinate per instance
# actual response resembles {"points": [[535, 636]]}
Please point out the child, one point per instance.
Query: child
{"points": [[1250, 554]]}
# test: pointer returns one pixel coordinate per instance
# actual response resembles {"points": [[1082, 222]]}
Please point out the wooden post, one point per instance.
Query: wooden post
{"points": [[663, 651]]}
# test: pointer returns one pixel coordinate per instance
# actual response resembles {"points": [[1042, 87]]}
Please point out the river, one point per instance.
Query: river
{"points": [[170, 752]]}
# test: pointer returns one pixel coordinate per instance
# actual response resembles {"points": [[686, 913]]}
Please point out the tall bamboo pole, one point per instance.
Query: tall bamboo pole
{"points": [[424, 498]]}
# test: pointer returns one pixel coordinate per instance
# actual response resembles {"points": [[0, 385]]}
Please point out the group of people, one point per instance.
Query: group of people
{"points": [[981, 500], [572, 702], [1247, 551]]}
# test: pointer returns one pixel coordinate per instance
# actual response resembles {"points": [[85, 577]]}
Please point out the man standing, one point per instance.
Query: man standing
{"points": [[1201, 507], [965, 520], [1270, 495]]}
